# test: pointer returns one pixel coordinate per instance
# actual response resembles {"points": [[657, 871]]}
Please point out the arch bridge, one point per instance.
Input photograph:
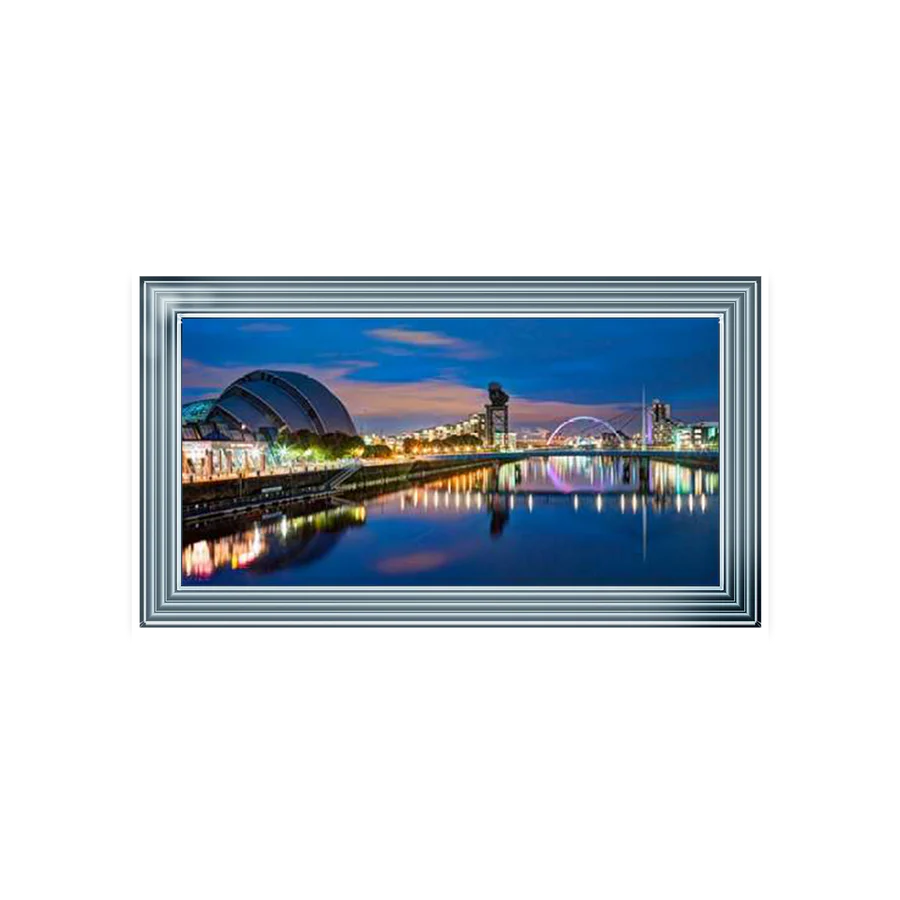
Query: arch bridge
{"points": [[594, 420]]}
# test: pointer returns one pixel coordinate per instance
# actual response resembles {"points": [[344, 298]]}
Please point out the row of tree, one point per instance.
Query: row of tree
{"points": [[455, 442], [298, 446], [306, 445]]}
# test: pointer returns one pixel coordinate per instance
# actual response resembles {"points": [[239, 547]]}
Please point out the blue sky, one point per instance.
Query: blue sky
{"points": [[395, 374]]}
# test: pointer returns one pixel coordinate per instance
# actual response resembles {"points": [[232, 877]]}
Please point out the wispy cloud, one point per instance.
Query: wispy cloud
{"points": [[196, 375], [264, 327], [414, 404], [396, 351], [401, 404], [355, 364], [429, 340]]}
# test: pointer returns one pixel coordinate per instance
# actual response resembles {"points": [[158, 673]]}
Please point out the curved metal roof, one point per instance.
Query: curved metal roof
{"points": [[332, 412], [282, 399], [238, 411], [287, 408]]}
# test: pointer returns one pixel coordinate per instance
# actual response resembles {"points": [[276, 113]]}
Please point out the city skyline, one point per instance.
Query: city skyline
{"points": [[397, 374]]}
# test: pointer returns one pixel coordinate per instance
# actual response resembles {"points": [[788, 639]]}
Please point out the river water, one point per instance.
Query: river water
{"points": [[561, 520]]}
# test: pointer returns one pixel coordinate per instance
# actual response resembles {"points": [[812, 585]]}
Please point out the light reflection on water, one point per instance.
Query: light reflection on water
{"points": [[201, 559], [575, 520]]}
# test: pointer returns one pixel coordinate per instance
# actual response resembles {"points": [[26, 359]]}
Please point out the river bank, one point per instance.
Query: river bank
{"points": [[203, 501], [206, 501]]}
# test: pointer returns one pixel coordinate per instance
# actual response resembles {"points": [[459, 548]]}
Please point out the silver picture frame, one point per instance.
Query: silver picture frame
{"points": [[164, 601]]}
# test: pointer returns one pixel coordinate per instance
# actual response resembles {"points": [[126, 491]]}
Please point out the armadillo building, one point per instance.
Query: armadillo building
{"points": [[267, 399], [234, 433]]}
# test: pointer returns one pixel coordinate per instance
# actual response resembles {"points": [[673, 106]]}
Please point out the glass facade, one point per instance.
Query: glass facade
{"points": [[196, 411]]}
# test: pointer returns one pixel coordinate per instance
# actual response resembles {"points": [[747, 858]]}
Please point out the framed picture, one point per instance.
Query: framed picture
{"points": [[450, 451]]}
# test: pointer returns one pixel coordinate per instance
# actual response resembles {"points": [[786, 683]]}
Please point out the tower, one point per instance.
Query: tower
{"points": [[496, 415], [659, 419]]}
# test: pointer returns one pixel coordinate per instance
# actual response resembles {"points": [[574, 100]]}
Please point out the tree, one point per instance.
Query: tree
{"points": [[303, 440], [304, 444], [378, 451], [338, 445]]}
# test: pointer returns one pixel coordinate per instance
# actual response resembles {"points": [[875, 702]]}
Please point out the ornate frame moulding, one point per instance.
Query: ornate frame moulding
{"points": [[165, 602]]}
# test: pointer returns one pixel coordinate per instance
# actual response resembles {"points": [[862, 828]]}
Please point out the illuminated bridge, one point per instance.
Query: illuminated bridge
{"points": [[653, 424], [616, 431]]}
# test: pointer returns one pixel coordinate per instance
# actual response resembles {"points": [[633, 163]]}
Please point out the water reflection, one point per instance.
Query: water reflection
{"points": [[268, 545], [500, 509], [427, 533]]}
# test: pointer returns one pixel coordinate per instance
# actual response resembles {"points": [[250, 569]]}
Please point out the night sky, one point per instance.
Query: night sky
{"points": [[398, 374]]}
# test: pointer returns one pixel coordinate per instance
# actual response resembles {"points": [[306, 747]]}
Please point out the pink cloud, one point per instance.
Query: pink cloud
{"points": [[438, 400], [197, 375], [426, 402], [430, 339]]}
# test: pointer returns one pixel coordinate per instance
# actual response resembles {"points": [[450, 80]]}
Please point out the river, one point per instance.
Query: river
{"points": [[561, 520]]}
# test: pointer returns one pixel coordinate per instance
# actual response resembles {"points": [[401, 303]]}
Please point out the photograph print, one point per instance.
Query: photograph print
{"points": [[450, 452]]}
